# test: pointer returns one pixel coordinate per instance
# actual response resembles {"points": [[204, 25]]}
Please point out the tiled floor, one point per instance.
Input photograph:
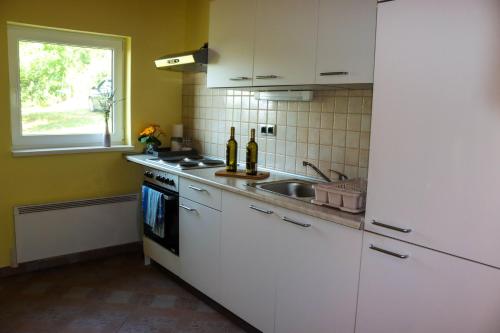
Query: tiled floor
{"points": [[117, 294]]}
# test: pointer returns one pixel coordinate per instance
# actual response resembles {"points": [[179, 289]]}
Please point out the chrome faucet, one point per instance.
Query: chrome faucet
{"points": [[315, 168]]}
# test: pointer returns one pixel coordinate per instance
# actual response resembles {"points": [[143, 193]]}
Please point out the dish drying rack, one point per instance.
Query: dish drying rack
{"points": [[348, 195]]}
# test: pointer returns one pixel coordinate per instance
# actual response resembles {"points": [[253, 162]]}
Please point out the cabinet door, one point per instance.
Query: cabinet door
{"points": [[248, 260], [427, 292], [199, 246], [317, 279], [285, 42], [231, 43], [434, 161], [346, 41]]}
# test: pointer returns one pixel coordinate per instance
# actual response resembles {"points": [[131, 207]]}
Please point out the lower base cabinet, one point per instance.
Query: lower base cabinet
{"points": [[248, 259], [427, 291], [287, 272], [317, 275], [199, 246]]}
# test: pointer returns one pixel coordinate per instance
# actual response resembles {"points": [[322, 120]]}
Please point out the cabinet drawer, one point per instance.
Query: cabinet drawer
{"points": [[200, 193], [407, 288]]}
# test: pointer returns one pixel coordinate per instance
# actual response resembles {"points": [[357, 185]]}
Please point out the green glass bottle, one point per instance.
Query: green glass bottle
{"points": [[232, 153], [252, 153]]}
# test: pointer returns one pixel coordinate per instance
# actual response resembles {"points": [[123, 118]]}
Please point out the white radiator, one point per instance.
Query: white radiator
{"points": [[55, 229]]}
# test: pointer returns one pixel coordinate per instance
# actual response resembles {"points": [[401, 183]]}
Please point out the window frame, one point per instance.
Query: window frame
{"points": [[17, 33]]}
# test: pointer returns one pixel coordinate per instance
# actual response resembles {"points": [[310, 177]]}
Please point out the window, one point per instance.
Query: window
{"points": [[57, 78]]}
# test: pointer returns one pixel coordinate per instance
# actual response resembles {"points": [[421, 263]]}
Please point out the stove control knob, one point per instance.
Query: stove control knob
{"points": [[158, 178], [148, 174], [171, 182]]}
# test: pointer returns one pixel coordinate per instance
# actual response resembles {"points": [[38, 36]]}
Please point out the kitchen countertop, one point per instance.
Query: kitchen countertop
{"points": [[239, 186]]}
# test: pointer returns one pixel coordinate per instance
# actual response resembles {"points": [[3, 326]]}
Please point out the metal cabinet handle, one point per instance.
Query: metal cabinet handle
{"points": [[333, 73], [265, 211], [304, 225], [263, 77], [187, 208], [383, 225], [197, 188], [240, 78], [394, 254]]}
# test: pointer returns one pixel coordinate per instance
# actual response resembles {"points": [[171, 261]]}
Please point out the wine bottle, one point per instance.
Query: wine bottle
{"points": [[252, 152], [232, 153]]}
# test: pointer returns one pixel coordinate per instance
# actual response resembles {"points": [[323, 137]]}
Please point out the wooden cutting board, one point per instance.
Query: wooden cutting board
{"points": [[242, 174]]}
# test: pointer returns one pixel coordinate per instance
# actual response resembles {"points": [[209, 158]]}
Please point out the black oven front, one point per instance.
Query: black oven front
{"points": [[160, 198]]}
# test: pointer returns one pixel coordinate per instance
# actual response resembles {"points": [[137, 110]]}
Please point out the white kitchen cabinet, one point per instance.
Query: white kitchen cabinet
{"points": [[346, 41], [285, 42], [434, 161], [199, 246], [317, 275], [248, 260], [426, 292], [231, 42]]}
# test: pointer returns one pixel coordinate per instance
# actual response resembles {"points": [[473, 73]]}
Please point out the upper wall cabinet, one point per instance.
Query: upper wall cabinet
{"points": [[231, 42], [346, 41], [285, 42], [291, 42]]}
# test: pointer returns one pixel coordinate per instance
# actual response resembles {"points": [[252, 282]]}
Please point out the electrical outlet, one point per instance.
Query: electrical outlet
{"points": [[271, 130], [267, 129]]}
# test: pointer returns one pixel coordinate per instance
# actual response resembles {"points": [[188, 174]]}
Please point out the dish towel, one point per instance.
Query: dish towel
{"points": [[153, 210]]}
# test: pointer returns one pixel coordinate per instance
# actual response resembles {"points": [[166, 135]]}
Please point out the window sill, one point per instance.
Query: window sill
{"points": [[69, 150]]}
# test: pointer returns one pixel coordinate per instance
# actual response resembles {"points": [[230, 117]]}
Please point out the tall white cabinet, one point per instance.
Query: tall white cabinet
{"points": [[434, 154]]}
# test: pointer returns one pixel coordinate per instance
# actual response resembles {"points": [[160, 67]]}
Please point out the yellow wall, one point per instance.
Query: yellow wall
{"points": [[156, 27], [196, 23]]}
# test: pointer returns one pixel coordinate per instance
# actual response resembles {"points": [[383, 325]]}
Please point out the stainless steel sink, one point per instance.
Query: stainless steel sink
{"points": [[292, 188]]}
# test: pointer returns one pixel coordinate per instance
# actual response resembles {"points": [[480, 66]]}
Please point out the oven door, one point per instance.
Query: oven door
{"points": [[170, 240]]}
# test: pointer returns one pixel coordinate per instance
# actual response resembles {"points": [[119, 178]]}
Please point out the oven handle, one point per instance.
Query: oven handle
{"points": [[169, 197]]}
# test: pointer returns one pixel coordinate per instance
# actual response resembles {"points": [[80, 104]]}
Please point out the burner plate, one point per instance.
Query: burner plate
{"points": [[189, 164], [208, 161]]}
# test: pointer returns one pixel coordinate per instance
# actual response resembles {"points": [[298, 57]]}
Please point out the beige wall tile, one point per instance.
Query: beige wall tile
{"points": [[314, 120], [331, 131]]}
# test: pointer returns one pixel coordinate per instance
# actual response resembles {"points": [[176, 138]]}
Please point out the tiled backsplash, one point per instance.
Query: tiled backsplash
{"points": [[332, 131]]}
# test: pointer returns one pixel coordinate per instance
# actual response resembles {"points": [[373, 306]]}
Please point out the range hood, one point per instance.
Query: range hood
{"points": [[190, 61]]}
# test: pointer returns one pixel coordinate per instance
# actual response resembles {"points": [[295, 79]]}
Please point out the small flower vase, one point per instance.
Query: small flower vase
{"points": [[151, 148], [107, 135]]}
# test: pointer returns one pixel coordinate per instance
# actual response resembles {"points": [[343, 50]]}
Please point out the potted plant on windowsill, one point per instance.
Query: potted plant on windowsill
{"points": [[150, 137]]}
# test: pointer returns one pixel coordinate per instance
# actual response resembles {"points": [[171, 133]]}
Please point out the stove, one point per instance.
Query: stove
{"points": [[188, 162]]}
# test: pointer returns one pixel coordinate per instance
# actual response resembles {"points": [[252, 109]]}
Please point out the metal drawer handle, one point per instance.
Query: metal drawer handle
{"points": [[383, 225], [304, 225], [263, 77], [197, 188], [240, 78], [333, 73], [187, 208], [394, 254], [265, 211]]}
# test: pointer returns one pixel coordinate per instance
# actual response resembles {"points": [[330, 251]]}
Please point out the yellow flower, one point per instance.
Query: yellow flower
{"points": [[148, 131]]}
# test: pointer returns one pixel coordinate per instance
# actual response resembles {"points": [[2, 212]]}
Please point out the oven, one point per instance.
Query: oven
{"points": [[160, 208]]}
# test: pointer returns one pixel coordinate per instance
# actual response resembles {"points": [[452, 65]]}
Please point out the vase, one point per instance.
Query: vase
{"points": [[107, 135], [151, 148]]}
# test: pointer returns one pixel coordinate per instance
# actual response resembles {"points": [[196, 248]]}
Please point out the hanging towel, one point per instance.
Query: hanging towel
{"points": [[153, 210]]}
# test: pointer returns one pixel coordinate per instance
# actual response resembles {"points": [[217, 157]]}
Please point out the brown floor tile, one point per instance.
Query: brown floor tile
{"points": [[117, 294]]}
